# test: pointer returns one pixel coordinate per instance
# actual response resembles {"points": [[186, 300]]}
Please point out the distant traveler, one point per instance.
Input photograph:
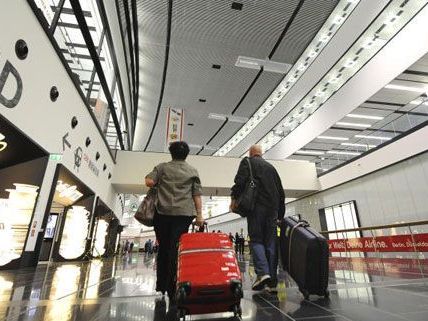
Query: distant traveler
{"points": [[131, 247], [237, 243], [241, 244], [179, 193], [231, 238], [126, 247], [262, 221]]}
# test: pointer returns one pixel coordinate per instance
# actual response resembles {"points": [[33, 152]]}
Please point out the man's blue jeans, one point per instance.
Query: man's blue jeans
{"points": [[263, 240]]}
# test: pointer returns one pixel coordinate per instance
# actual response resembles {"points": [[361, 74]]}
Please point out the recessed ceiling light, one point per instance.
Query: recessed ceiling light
{"points": [[365, 116], [342, 123], [309, 152], [237, 5], [407, 88], [358, 145], [202, 100], [332, 138], [339, 152], [216, 66], [374, 137]]}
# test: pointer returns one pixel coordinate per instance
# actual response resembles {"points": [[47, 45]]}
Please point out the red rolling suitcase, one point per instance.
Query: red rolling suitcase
{"points": [[208, 275], [304, 254]]}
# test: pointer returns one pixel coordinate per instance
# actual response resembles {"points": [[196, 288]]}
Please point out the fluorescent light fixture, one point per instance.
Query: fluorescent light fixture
{"points": [[309, 152], [407, 88], [231, 118], [217, 116], [374, 137], [268, 65], [332, 138], [358, 145], [339, 152], [343, 9], [360, 116], [206, 147], [342, 123]]}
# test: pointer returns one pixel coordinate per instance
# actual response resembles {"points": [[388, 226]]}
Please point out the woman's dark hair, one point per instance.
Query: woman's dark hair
{"points": [[179, 150]]}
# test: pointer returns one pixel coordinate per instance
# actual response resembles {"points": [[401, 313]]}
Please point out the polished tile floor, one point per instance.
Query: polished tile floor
{"points": [[122, 288]]}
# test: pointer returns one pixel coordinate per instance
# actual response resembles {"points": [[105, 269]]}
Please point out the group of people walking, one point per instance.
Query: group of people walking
{"points": [[239, 241], [179, 202]]}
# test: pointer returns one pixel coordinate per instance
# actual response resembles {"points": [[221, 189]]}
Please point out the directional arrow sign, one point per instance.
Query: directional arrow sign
{"points": [[65, 142]]}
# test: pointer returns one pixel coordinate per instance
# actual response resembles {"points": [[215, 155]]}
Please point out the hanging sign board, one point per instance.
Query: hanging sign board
{"points": [[175, 120]]}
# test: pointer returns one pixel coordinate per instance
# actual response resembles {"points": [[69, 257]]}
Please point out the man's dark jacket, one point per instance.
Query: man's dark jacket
{"points": [[269, 187]]}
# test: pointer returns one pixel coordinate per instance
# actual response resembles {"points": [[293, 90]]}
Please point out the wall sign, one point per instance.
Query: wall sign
{"points": [[91, 165], [3, 144], [175, 120], [10, 100]]}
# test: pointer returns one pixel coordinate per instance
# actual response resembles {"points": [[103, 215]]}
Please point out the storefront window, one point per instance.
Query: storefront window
{"points": [[15, 217], [22, 167]]}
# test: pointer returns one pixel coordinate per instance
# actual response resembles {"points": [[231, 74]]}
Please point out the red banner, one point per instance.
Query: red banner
{"points": [[406, 268], [394, 243]]}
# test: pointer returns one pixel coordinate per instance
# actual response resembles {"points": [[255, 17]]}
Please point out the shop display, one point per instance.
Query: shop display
{"points": [[75, 233], [100, 238], [15, 216], [67, 194]]}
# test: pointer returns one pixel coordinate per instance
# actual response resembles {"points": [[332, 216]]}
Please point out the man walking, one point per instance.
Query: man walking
{"points": [[262, 221]]}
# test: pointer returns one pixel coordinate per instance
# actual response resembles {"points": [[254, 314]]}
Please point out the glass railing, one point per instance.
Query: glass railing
{"points": [[397, 250], [85, 43]]}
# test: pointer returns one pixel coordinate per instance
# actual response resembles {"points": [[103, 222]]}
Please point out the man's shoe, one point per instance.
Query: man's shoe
{"points": [[260, 282], [271, 290]]}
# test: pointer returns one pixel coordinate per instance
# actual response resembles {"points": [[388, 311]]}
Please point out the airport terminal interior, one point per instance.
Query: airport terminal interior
{"points": [[93, 93]]}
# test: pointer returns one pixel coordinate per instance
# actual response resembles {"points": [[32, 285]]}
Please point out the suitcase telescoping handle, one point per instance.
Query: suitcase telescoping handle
{"points": [[203, 228]]}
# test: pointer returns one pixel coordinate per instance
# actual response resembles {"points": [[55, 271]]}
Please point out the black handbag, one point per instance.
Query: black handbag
{"points": [[246, 201]]}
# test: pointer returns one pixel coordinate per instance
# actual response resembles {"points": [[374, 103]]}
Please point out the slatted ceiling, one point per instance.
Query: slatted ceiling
{"points": [[308, 21], [416, 78], [222, 90], [375, 108], [228, 131], [395, 96], [205, 33], [321, 145], [258, 94], [200, 133], [303, 157], [213, 23]]}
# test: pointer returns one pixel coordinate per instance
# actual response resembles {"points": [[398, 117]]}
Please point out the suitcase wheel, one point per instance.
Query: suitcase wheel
{"points": [[305, 293]]}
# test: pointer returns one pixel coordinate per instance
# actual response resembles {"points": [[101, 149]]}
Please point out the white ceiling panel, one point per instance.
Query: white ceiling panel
{"points": [[210, 32]]}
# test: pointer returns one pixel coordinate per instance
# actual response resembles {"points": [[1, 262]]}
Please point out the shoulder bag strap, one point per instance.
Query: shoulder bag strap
{"points": [[251, 170]]}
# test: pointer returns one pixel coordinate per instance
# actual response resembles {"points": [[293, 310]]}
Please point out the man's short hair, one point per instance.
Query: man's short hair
{"points": [[179, 150]]}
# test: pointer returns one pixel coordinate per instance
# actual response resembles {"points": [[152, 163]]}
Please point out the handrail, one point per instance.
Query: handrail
{"points": [[377, 227]]}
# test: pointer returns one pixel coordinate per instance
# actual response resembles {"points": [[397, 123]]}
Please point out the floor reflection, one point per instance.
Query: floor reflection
{"points": [[122, 288]]}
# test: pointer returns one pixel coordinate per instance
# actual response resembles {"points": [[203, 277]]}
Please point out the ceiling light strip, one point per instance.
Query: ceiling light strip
{"points": [[336, 19], [392, 19]]}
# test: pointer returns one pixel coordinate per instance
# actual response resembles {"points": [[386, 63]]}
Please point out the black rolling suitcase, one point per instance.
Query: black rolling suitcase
{"points": [[304, 254]]}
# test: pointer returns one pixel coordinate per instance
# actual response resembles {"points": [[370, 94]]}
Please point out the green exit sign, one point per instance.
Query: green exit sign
{"points": [[55, 157]]}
